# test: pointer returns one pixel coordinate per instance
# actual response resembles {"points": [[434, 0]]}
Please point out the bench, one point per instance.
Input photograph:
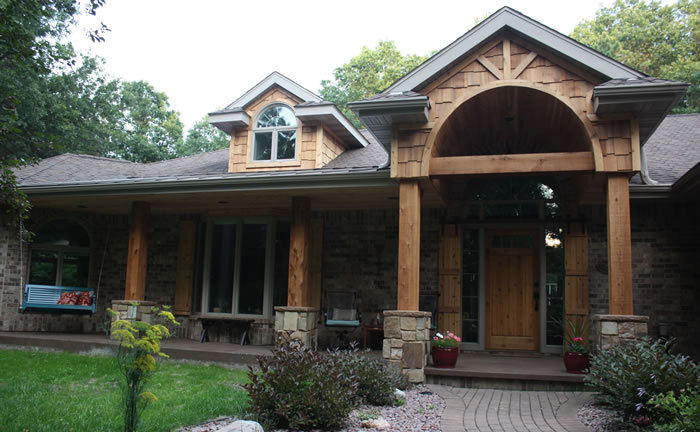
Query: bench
{"points": [[208, 322], [47, 297]]}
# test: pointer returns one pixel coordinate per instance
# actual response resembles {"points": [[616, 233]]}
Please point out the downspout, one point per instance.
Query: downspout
{"points": [[644, 173]]}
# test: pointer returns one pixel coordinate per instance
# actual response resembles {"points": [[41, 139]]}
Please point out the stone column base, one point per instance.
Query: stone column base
{"points": [[614, 330], [298, 322], [407, 342], [133, 310]]}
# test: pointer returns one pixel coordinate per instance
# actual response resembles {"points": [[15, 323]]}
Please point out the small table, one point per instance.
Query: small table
{"points": [[211, 321], [368, 329]]}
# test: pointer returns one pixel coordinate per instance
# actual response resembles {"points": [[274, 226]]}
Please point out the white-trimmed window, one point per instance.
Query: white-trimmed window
{"points": [[238, 276], [60, 255], [275, 135]]}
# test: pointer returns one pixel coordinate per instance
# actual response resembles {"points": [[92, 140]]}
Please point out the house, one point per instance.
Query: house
{"points": [[515, 178]]}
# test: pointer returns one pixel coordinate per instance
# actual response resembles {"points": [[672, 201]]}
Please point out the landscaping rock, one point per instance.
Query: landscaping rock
{"points": [[379, 423], [243, 426], [400, 394]]}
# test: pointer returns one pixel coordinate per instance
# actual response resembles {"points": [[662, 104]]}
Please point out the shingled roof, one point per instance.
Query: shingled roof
{"points": [[673, 149], [83, 169], [671, 152]]}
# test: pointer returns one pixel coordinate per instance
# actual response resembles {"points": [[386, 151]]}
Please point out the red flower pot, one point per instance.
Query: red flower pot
{"points": [[575, 362], [445, 357]]}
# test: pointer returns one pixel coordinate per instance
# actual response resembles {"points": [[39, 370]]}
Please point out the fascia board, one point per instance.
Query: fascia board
{"points": [[279, 182], [388, 104], [275, 78], [508, 18], [639, 90], [650, 192], [238, 118], [331, 110]]}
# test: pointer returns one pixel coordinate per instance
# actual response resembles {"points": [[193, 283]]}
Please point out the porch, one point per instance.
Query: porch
{"points": [[474, 369]]}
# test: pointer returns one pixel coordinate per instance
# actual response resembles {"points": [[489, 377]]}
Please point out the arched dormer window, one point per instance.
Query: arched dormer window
{"points": [[60, 255], [275, 135]]}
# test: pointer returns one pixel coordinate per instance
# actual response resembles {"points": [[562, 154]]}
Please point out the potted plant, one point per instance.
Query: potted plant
{"points": [[576, 353], [445, 350]]}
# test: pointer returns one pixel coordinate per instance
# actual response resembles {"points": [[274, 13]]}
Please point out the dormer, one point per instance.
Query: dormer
{"points": [[280, 125]]}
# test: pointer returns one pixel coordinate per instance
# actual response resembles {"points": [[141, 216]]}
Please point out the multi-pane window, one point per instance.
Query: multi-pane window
{"points": [[238, 277], [275, 135], [60, 255]]}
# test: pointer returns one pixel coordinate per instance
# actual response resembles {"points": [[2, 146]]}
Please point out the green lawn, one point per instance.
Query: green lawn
{"points": [[42, 391]]}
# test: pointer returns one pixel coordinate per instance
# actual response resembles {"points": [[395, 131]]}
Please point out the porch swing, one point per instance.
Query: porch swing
{"points": [[58, 298]]}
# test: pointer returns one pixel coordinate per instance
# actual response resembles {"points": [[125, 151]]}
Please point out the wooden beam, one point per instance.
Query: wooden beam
{"points": [[409, 245], [137, 258], [506, 59], [490, 67], [512, 164], [619, 246], [298, 282], [524, 64]]}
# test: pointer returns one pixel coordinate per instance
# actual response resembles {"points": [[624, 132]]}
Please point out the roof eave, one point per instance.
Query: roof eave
{"points": [[229, 120], [660, 191], [336, 121], [509, 19], [310, 180], [275, 78]]}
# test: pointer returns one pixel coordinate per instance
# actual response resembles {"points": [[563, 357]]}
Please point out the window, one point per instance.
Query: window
{"points": [[239, 267], [275, 135], [60, 255]]}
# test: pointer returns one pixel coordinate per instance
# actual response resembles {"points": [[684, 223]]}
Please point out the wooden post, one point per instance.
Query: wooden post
{"points": [[619, 246], [409, 246], [299, 286], [138, 251]]}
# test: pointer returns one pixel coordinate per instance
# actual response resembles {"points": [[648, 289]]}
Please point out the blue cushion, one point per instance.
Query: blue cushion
{"points": [[339, 323]]}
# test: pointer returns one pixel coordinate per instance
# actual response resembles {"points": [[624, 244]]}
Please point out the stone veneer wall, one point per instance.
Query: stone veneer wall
{"points": [[360, 252], [665, 265]]}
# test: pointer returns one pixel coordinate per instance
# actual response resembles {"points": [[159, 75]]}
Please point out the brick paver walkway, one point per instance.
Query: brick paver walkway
{"points": [[509, 411]]}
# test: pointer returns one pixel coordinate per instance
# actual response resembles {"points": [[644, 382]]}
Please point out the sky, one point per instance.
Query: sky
{"points": [[204, 54]]}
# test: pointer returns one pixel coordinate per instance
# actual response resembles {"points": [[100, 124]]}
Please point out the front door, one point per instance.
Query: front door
{"points": [[512, 290]]}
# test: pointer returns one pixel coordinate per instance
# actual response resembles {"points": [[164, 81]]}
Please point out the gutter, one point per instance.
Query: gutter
{"points": [[649, 191], [389, 104], [640, 90], [255, 183]]}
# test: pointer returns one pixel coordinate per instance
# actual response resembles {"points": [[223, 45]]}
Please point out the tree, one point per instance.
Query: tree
{"points": [[203, 137], [366, 74], [149, 130], [659, 40], [30, 49]]}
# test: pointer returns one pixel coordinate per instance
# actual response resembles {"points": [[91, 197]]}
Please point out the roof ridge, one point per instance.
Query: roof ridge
{"points": [[183, 157], [104, 158]]}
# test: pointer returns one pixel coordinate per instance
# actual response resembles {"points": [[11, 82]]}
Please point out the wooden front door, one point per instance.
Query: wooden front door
{"points": [[512, 290]]}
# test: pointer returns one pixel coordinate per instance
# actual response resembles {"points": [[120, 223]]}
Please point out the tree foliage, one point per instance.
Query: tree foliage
{"points": [[147, 130], [659, 40], [31, 51], [202, 137], [366, 74]]}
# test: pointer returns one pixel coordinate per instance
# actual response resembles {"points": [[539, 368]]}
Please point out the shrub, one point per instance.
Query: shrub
{"points": [[626, 377], [376, 380], [139, 343], [299, 388], [677, 412]]}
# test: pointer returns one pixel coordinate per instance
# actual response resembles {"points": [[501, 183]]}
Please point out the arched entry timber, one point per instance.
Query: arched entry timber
{"points": [[511, 127], [508, 130]]}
